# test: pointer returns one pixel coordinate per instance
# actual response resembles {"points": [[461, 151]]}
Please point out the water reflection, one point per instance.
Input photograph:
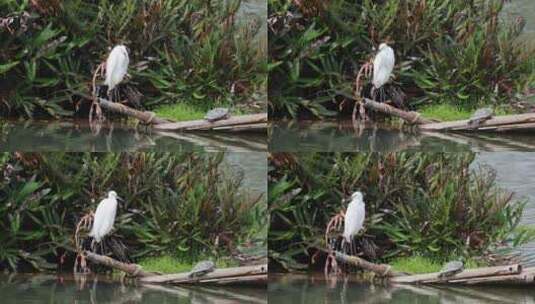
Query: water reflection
{"points": [[341, 136], [313, 288], [93, 289], [116, 136]]}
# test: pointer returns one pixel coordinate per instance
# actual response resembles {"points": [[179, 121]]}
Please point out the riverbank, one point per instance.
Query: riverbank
{"points": [[417, 205], [453, 53], [165, 213], [51, 62]]}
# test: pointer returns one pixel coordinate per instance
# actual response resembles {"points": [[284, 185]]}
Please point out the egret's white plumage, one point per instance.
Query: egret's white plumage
{"points": [[104, 217], [116, 66], [383, 65], [354, 218]]}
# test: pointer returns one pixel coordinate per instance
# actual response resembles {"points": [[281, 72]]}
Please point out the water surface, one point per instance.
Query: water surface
{"points": [[313, 288], [340, 136], [28, 289], [77, 136]]}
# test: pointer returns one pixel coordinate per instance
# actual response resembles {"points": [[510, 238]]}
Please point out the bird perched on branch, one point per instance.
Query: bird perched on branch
{"points": [[104, 217], [354, 217], [116, 67], [383, 65]]}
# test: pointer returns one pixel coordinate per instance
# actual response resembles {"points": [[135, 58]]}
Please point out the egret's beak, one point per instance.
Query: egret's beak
{"points": [[120, 199]]}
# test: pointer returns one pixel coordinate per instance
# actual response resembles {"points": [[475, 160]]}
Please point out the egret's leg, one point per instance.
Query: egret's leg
{"points": [[117, 96]]}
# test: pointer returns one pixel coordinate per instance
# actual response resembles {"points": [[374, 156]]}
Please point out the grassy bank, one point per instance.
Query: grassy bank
{"points": [[198, 53], [177, 204], [179, 112], [448, 112], [419, 264], [464, 54], [428, 205], [170, 264]]}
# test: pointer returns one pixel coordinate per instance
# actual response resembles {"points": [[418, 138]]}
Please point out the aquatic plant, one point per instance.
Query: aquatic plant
{"points": [[427, 204], [194, 52], [464, 53], [176, 204]]}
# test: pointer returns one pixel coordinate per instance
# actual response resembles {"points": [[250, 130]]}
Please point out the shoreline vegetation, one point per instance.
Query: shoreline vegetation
{"points": [[452, 57], [422, 210], [179, 208], [186, 57]]}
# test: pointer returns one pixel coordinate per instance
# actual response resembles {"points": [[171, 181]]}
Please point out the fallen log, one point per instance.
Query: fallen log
{"points": [[249, 274], [380, 269], [517, 279], [206, 125], [491, 124], [410, 117], [249, 127], [132, 269], [428, 278], [144, 116], [511, 127]]}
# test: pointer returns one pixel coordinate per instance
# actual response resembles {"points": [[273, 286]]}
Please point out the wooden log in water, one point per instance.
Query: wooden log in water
{"points": [[144, 116], [428, 278], [380, 269], [516, 279], [410, 117], [131, 269], [511, 127], [251, 119], [249, 127], [245, 274], [494, 123]]}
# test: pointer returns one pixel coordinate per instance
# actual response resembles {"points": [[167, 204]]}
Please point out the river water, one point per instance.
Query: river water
{"points": [[29, 289], [313, 288], [77, 136], [340, 136]]}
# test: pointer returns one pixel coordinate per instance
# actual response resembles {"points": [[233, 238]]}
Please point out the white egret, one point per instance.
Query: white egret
{"points": [[104, 217], [383, 65], [354, 218], [116, 67]]}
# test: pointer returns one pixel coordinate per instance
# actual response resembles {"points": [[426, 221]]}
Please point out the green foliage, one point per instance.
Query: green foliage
{"points": [[178, 204], [462, 53], [193, 52], [425, 204]]}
